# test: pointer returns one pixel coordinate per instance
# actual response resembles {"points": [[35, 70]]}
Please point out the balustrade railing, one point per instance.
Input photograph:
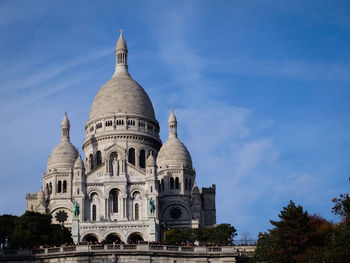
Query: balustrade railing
{"points": [[97, 247], [67, 249], [155, 248], [172, 248], [214, 249], [53, 250], [130, 247]]}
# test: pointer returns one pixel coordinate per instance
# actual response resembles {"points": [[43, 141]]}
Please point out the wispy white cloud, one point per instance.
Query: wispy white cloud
{"points": [[45, 71]]}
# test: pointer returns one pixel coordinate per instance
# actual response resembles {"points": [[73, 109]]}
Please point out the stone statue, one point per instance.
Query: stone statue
{"points": [[115, 166], [76, 209], [152, 207]]}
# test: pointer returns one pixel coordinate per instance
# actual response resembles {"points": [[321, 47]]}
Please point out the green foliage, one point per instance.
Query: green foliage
{"points": [[342, 206], [264, 247], [35, 229], [7, 225], [222, 234], [299, 237]]}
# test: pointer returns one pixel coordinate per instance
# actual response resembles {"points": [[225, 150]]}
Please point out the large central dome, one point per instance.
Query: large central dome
{"points": [[121, 94]]}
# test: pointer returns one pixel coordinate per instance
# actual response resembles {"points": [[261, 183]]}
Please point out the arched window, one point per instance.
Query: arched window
{"points": [[142, 159], [98, 158], [59, 187], [91, 160], [186, 183], [189, 184], [113, 197], [171, 183], [47, 191], [132, 156], [50, 188], [162, 184], [78, 191], [136, 211], [177, 184], [64, 186], [93, 212]]}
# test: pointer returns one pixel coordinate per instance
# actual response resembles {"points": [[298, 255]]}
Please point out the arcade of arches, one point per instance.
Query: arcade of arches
{"points": [[133, 238]]}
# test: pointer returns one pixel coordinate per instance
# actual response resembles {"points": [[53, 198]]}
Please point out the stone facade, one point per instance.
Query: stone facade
{"points": [[126, 171]]}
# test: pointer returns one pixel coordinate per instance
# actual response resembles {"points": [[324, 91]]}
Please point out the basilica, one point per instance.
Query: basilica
{"points": [[128, 186]]}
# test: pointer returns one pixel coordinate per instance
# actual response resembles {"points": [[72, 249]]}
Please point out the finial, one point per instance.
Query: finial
{"points": [[172, 110], [121, 31], [65, 113]]}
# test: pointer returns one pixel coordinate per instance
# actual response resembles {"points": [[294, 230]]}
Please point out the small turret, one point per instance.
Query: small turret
{"points": [[78, 177], [79, 163], [151, 167], [151, 161]]}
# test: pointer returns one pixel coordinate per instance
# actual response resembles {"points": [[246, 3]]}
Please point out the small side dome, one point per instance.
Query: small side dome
{"points": [[62, 157], [79, 163], [173, 153], [64, 154], [151, 161]]}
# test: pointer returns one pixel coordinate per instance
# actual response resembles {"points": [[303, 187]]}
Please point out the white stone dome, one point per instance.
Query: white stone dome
{"points": [[62, 157], [173, 153], [123, 95], [64, 154]]}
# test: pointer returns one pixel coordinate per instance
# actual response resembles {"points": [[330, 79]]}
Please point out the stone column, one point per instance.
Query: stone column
{"points": [[75, 230]]}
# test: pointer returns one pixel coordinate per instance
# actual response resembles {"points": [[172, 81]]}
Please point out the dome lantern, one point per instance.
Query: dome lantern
{"points": [[172, 122], [65, 126], [121, 53]]}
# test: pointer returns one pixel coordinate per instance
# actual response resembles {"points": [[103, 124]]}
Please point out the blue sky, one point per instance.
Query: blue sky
{"points": [[260, 89]]}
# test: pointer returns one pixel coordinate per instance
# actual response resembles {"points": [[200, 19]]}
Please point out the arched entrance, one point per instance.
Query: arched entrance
{"points": [[113, 238], [135, 238], [90, 238]]}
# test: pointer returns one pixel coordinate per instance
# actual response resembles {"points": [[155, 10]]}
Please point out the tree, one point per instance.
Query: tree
{"points": [[290, 237], [222, 234], [299, 237], [7, 225], [35, 229]]}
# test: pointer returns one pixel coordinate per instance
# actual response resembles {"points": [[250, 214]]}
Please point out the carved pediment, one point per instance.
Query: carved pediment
{"points": [[114, 148], [133, 171]]}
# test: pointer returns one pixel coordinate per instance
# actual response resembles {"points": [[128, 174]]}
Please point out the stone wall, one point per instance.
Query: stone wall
{"points": [[151, 253]]}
